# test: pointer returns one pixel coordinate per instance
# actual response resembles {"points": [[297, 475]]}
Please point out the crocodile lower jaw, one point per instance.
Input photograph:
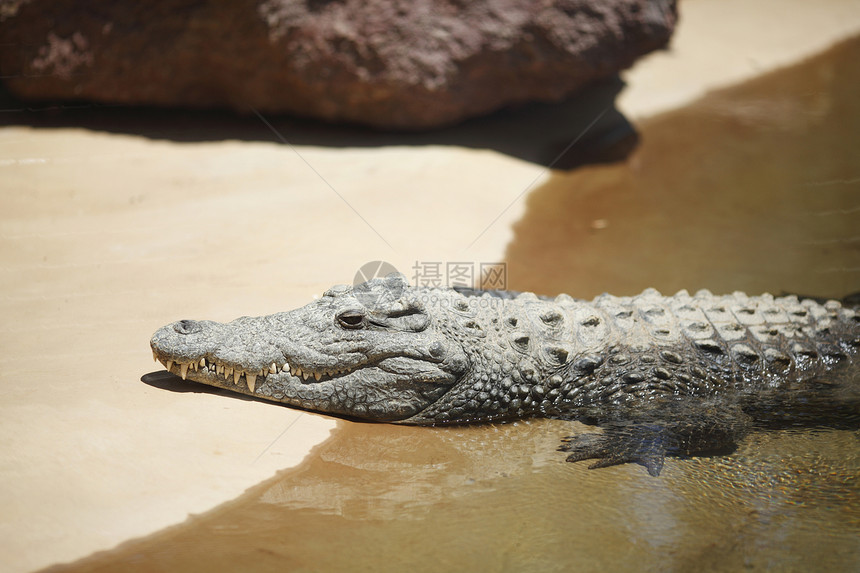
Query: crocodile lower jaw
{"points": [[240, 376]]}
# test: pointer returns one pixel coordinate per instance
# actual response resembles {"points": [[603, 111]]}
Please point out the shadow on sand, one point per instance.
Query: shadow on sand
{"points": [[584, 129]]}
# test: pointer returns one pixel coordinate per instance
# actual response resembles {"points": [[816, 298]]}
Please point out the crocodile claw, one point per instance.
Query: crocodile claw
{"points": [[614, 448]]}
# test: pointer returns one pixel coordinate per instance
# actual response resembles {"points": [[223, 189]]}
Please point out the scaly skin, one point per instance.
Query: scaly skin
{"points": [[684, 365]]}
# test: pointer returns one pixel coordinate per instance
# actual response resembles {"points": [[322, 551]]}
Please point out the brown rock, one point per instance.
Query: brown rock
{"points": [[393, 64]]}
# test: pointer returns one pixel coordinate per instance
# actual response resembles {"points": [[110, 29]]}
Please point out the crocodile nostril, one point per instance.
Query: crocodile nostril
{"points": [[186, 326]]}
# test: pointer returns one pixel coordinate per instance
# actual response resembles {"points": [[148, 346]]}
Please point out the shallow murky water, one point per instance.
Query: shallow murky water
{"points": [[753, 188], [499, 498]]}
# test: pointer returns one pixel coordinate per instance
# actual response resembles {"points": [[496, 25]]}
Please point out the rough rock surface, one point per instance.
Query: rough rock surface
{"points": [[395, 64]]}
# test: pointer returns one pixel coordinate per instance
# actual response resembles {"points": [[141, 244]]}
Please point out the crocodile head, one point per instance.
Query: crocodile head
{"points": [[371, 351]]}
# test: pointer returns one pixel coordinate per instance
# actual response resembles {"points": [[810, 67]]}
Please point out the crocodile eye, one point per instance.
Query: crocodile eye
{"points": [[351, 319]]}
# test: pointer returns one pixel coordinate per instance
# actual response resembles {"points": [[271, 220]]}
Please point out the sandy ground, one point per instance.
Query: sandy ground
{"points": [[107, 235]]}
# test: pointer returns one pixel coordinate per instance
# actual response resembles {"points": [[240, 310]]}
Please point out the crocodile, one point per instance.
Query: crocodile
{"points": [[679, 375]]}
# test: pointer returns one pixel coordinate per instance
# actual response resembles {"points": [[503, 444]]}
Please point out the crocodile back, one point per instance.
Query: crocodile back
{"points": [[623, 349]]}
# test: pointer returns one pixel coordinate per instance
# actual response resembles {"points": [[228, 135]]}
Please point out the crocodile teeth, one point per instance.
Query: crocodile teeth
{"points": [[273, 369], [183, 370], [203, 363], [298, 371], [305, 375], [317, 375], [220, 369], [236, 376], [169, 365], [252, 379], [154, 357]]}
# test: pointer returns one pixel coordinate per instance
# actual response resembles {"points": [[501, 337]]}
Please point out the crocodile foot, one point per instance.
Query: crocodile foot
{"points": [[678, 427], [615, 447]]}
